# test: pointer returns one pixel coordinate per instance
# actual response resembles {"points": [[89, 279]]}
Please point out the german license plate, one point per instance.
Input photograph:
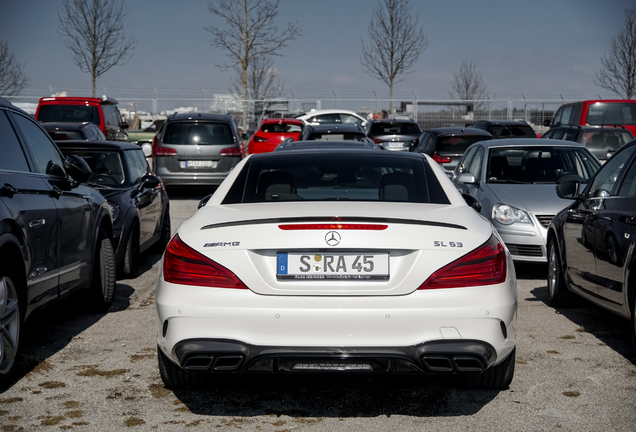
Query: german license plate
{"points": [[332, 266], [199, 164], [396, 144]]}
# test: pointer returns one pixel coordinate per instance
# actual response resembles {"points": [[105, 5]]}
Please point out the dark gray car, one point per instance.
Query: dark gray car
{"points": [[394, 134], [196, 149]]}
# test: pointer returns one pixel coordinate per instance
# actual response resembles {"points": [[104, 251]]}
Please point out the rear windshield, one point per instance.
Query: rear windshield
{"points": [[512, 132], [347, 177], [60, 135], [327, 136], [539, 164], [456, 144], [611, 113], [69, 113], [396, 129], [198, 133], [605, 139], [281, 128]]}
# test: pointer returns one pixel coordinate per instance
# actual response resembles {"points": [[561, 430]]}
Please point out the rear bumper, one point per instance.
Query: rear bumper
{"points": [[460, 329], [210, 355]]}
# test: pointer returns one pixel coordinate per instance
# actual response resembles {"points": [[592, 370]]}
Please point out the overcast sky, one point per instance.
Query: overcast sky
{"points": [[539, 48]]}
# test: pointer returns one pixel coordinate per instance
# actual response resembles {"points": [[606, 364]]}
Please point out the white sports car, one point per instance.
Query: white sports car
{"points": [[337, 260]]}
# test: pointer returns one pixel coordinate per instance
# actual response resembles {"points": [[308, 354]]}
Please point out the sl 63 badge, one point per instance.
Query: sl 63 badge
{"points": [[449, 244]]}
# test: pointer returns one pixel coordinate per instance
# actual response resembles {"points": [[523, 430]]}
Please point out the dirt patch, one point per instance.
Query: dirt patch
{"points": [[93, 370], [52, 384], [134, 421]]}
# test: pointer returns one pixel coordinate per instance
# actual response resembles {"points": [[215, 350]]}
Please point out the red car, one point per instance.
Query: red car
{"points": [[602, 112], [272, 132]]}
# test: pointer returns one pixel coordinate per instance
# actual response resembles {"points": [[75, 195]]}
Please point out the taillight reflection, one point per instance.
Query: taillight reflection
{"points": [[185, 266], [486, 265]]}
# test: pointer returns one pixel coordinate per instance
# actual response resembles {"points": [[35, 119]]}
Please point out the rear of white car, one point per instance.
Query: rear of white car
{"points": [[383, 276]]}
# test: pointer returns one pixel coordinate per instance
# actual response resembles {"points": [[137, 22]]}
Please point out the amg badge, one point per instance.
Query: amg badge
{"points": [[221, 244]]}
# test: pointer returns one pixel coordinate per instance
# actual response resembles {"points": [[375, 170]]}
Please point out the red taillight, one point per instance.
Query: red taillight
{"points": [[377, 140], [185, 266], [486, 265], [260, 139], [230, 151], [441, 159], [370, 227], [158, 150]]}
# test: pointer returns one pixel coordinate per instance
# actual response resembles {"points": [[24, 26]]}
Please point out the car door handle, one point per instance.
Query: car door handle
{"points": [[8, 190], [37, 222]]}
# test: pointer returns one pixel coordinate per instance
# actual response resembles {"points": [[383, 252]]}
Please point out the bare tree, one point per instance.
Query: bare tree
{"points": [[95, 35], [249, 33], [468, 84], [263, 80], [395, 43], [12, 77], [618, 67]]}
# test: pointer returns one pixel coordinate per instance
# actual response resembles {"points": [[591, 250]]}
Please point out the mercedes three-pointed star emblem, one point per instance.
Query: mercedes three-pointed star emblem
{"points": [[332, 238]]}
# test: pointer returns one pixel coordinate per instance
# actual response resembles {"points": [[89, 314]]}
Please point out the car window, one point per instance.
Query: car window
{"points": [[48, 159], [325, 118], [605, 140], [557, 134], [628, 187], [395, 128], [198, 133], [350, 119], [464, 164], [69, 113], [63, 135], [13, 157], [281, 128], [111, 115], [106, 167], [569, 135], [323, 177], [511, 131], [532, 164], [328, 136], [602, 113], [608, 174], [137, 165], [456, 144], [477, 162], [565, 115], [422, 142]]}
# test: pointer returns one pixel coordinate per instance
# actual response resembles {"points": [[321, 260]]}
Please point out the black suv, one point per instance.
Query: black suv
{"points": [[500, 129], [602, 141], [392, 134], [196, 149], [55, 231]]}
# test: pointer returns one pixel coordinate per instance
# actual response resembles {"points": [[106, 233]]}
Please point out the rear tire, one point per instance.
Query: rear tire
{"points": [[10, 324], [495, 377], [557, 291], [131, 254], [174, 377], [102, 289]]}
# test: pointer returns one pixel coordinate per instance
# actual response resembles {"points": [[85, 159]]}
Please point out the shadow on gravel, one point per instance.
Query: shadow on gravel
{"points": [[50, 330], [610, 329], [530, 271], [189, 193], [315, 396]]}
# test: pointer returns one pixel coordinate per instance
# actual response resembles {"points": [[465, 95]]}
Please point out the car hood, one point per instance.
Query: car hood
{"points": [[535, 198]]}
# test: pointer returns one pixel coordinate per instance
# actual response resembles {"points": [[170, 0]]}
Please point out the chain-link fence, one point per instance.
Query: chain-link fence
{"points": [[428, 113]]}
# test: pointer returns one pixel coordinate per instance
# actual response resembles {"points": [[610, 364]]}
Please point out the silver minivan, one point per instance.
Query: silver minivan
{"points": [[195, 149]]}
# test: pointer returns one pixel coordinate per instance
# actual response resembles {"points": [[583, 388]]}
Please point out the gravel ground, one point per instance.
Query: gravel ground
{"points": [[575, 371]]}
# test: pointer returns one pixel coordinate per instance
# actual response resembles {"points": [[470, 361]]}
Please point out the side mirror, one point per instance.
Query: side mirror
{"points": [[568, 189], [77, 168], [204, 201], [546, 123], [466, 178], [472, 202], [150, 181], [124, 125]]}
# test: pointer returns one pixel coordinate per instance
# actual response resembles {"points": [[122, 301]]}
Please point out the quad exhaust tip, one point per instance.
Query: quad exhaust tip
{"points": [[454, 363], [210, 362]]}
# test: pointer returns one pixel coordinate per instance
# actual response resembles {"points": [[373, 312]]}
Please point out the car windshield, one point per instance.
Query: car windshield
{"points": [[456, 144], [395, 129], [511, 131], [62, 135], [602, 113], [106, 167], [198, 133], [281, 128], [605, 139], [69, 113], [328, 136], [543, 164], [323, 177]]}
